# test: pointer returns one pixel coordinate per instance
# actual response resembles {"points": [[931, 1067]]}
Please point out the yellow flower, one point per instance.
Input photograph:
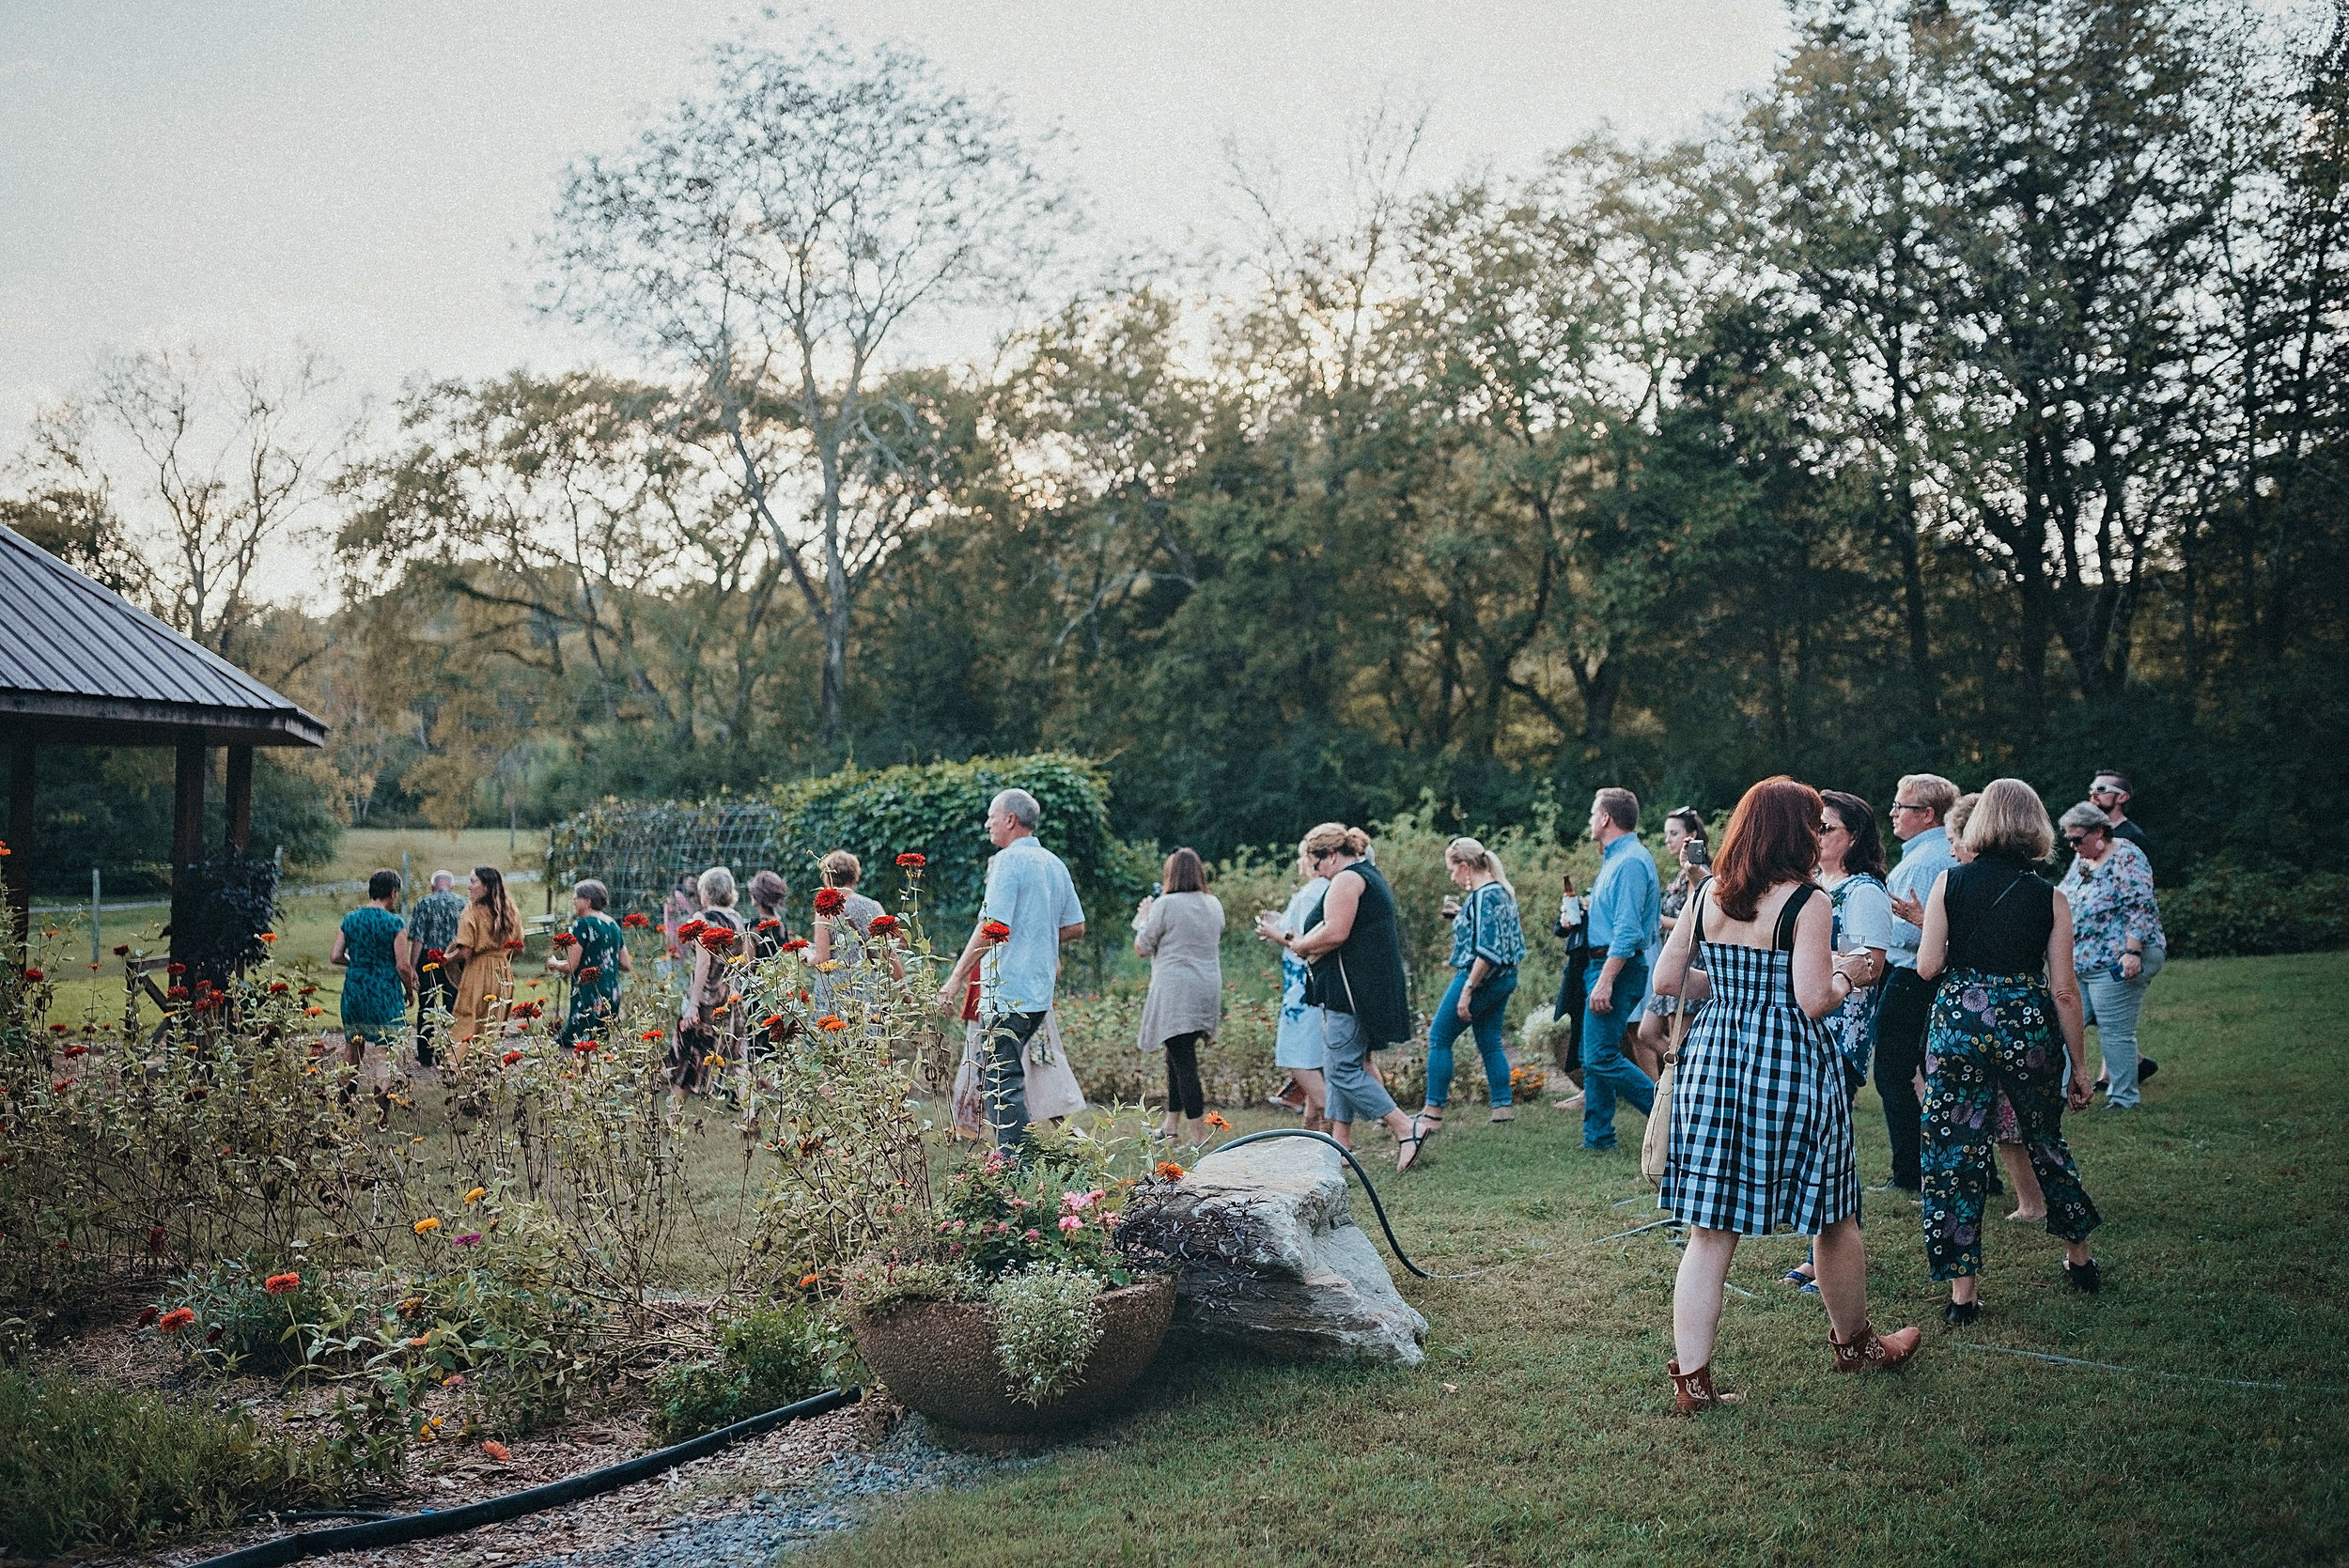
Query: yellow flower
{"points": [[426, 1224], [476, 1194]]}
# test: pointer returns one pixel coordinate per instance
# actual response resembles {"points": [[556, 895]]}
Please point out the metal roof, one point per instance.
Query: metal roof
{"points": [[81, 664]]}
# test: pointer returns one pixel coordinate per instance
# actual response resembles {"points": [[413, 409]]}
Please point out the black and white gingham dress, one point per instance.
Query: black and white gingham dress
{"points": [[1760, 1131]]}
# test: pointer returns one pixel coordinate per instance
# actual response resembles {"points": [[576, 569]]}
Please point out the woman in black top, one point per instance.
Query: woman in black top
{"points": [[1355, 951], [1998, 937]]}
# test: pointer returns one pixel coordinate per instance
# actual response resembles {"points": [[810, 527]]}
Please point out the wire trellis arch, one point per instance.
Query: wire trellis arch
{"points": [[638, 851]]}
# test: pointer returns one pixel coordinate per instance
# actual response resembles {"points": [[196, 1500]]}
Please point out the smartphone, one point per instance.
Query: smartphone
{"points": [[1157, 887]]}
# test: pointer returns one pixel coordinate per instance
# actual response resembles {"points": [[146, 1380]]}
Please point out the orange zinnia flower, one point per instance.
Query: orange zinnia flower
{"points": [[832, 1021], [282, 1285], [1216, 1121], [1169, 1171]]}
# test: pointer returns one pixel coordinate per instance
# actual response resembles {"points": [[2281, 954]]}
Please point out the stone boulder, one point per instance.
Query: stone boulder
{"points": [[1272, 1260]]}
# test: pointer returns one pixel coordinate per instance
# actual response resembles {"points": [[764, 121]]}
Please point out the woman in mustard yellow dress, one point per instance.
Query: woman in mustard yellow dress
{"points": [[488, 936]]}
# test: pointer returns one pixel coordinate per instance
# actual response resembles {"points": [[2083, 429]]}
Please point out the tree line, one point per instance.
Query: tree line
{"points": [[1967, 400]]}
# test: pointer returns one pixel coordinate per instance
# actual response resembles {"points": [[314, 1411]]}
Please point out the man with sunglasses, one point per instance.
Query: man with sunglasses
{"points": [[2110, 794], [1919, 806]]}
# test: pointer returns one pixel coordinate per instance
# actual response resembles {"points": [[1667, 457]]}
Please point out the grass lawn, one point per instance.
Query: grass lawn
{"points": [[1539, 1431]]}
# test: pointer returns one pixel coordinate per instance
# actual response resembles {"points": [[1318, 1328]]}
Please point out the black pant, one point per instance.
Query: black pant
{"points": [[1182, 1075], [1567, 1010], [1006, 1077], [1901, 1020], [436, 997]]}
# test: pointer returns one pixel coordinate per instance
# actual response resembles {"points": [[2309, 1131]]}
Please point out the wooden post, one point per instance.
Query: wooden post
{"points": [[19, 861], [187, 830], [239, 797]]}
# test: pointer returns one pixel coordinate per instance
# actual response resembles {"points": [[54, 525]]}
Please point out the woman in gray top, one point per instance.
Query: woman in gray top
{"points": [[1181, 932]]}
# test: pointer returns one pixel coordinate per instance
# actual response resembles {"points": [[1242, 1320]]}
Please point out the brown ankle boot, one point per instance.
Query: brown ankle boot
{"points": [[1694, 1391], [1869, 1348]]}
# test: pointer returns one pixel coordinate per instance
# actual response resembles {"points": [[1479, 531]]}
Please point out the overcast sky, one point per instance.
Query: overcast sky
{"points": [[366, 176]]}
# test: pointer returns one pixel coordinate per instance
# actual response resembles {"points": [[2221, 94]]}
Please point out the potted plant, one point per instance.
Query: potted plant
{"points": [[1014, 1310]]}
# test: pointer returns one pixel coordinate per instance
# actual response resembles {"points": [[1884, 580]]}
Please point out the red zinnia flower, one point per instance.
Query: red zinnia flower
{"points": [[123, 951], [995, 931], [177, 1319], [32, 975], [282, 1285], [769, 923], [691, 929], [795, 944], [912, 861], [718, 938], [70, 1051], [883, 924], [433, 956], [510, 1057], [590, 972], [175, 968], [147, 1318], [652, 1034], [636, 921], [562, 939], [828, 900], [515, 945], [278, 988], [584, 1048], [61, 1086]]}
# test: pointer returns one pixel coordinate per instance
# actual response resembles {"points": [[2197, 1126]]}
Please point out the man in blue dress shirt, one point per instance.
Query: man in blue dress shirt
{"points": [[1626, 909], [1919, 806]]}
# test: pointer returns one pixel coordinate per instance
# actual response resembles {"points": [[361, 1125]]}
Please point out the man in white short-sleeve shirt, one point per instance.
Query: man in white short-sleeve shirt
{"points": [[1030, 891]]}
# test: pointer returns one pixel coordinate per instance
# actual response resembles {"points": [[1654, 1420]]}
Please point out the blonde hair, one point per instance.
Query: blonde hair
{"points": [[1468, 851], [1961, 812], [1931, 791], [841, 869], [2011, 817], [1332, 837]]}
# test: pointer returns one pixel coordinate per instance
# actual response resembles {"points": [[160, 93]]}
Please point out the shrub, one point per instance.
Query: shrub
{"points": [[767, 1359], [1045, 1329], [90, 1464], [2228, 911]]}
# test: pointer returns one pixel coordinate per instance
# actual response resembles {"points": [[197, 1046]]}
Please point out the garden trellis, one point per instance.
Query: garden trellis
{"points": [[638, 851]]}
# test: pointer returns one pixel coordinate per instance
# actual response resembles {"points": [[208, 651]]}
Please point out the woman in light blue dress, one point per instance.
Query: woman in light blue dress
{"points": [[1297, 1045]]}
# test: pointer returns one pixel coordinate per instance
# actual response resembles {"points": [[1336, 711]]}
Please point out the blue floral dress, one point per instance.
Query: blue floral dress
{"points": [[375, 1004]]}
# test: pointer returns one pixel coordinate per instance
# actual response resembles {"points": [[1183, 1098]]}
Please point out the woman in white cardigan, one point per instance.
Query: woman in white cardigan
{"points": [[1181, 932]]}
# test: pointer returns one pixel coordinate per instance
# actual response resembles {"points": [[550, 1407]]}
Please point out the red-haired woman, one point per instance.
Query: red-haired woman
{"points": [[1760, 1129]]}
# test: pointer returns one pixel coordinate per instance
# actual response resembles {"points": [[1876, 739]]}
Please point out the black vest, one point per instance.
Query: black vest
{"points": [[1363, 975]]}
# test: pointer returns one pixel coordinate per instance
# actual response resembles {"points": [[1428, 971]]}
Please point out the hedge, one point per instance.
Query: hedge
{"points": [[2228, 911]]}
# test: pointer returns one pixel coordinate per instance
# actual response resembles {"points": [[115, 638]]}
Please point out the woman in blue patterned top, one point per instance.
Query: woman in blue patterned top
{"points": [[2116, 942], [382, 974], [1487, 945]]}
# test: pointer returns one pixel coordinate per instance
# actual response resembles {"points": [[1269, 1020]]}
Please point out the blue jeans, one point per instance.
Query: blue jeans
{"points": [[1487, 1017], [1605, 1073], [2114, 1007], [1354, 1095]]}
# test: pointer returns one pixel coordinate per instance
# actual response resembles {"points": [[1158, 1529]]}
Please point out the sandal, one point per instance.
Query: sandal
{"points": [[1406, 1152], [1800, 1281], [2020, 1218], [2087, 1277], [1961, 1314], [1427, 1121]]}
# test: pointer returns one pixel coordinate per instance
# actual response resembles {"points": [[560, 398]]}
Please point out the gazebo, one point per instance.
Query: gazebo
{"points": [[80, 665]]}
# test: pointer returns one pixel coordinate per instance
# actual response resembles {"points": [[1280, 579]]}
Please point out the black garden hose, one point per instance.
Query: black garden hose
{"points": [[1380, 1210], [399, 1528]]}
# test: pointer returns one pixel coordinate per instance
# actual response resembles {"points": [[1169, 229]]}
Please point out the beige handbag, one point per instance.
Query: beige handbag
{"points": [[1655, 1145]]}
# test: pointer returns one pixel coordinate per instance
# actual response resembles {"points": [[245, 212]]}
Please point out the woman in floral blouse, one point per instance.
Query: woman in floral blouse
{"points": [[1487, 945], [2116, 942]]}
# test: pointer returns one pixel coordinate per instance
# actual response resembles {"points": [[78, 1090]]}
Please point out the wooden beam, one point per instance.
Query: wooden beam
{"points": [[187, 809], [240, 798], [19, 861]]}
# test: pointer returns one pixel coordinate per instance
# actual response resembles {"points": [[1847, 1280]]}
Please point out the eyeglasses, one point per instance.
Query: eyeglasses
{"points": [[1904, 805], [1832, 828]]}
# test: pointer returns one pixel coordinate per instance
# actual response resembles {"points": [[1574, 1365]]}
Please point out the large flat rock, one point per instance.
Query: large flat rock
{"points": [[1272, 1260]]}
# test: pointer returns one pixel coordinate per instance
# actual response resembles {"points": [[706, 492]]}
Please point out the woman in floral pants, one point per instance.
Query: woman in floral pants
{"points": [[1998, 938]]}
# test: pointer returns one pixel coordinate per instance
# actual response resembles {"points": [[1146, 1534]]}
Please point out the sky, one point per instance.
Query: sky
{"points": [[365, 176]]}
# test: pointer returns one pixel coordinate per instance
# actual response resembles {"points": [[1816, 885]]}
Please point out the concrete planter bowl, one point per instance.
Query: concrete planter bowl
{"points": [[939, 1358]]}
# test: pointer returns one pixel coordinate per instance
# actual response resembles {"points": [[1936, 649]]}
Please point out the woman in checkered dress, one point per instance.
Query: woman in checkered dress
{"points": [[1761, 1130]]}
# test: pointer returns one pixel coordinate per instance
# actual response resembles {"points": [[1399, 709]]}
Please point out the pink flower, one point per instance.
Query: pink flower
{"points": [[1070, 1222], [468, 1239], [1033, 1235]]}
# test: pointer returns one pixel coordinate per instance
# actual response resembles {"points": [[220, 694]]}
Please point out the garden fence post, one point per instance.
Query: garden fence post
{"points": [[404, 874], [94, 937]]}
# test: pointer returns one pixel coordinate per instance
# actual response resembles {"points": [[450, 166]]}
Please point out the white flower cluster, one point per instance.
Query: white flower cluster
{"points": [[1045, 1329]]}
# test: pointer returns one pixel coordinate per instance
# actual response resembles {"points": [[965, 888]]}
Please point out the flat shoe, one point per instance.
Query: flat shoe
{"points": [[2020, 1218], [1504, 1113], [1572, 1102]]}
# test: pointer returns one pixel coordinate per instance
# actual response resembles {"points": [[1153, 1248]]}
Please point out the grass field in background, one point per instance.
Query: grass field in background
{"points": [[1539, 1431]]}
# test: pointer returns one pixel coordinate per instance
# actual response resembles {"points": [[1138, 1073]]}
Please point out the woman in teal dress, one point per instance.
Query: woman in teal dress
{"points": [[595, 958], [372, 946]]}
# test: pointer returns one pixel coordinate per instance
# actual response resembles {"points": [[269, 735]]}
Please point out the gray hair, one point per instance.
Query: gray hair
{"points": [[596, 894], [2085, 815], [443, 880], [1018, 805], [717, 888]]}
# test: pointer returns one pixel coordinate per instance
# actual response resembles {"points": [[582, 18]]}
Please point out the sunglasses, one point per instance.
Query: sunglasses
{"points": [[2076, 840], [2103, 789], [1832, 828]]}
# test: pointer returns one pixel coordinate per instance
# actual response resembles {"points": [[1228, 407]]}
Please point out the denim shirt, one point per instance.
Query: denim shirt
{"points": [[1923, 858], [1028, 889], [1627, 902]]}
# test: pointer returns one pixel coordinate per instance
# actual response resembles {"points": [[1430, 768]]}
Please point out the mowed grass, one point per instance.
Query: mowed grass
{"points": [[1540, 1428]]}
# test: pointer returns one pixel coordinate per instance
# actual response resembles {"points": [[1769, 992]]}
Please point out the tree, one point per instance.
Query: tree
{"points": [[775, 236]]}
